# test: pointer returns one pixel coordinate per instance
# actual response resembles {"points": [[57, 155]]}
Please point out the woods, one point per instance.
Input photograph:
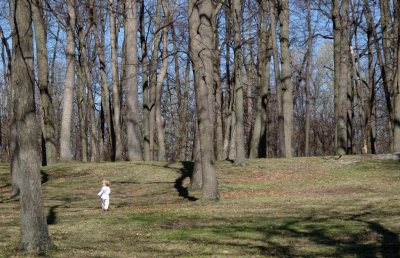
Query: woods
{"points": [[283, 82], [196, 80]]}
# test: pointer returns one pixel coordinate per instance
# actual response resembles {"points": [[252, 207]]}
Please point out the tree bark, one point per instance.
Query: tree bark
{"points": [[196, 181], [153, 80], [105, 93], [286, 73], [66, 123], [308, 78], [34, 231], [43, 82], [342, 147], [277, 72], [145, 85], [115, 83], [386, 20], [201, 38], [160, 81], [396, 87], [240, 157], [81, 103], [131, 82], [258, 140]]}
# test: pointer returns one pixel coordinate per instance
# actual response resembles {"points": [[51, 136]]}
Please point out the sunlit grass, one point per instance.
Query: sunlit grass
{"points": [[276, 207]]}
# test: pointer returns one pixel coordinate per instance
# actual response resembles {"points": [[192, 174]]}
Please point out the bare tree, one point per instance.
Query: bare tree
{"points": [[132, 101], [240, 157], [46, 101], [34, 232], [201, 38], [115, 82], [65, 147]]}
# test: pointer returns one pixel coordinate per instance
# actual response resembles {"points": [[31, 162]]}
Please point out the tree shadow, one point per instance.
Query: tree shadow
{"points": [[52, 216], [186, 172], [45, 176], [330, 235]]}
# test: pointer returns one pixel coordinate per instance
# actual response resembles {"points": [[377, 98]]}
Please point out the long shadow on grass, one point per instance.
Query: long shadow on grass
{"points": [[336, 237], [186, 172]]}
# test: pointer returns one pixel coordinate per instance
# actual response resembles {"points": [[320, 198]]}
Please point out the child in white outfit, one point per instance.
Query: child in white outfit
{"points": [[105, 195]]}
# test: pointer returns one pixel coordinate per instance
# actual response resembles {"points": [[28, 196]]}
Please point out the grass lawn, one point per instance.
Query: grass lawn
{"points": [[301, 207]]}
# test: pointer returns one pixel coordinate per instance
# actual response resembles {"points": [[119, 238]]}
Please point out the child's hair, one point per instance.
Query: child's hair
{"points": [[106, 182]]}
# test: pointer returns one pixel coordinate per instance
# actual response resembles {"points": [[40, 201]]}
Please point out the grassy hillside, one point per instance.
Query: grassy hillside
{"points": [[275, 207]]}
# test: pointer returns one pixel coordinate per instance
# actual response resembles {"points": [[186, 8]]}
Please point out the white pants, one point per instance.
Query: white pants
{"points": [[104, 203]]}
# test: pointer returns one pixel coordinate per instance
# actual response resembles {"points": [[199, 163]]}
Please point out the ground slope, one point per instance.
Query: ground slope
{"points": [[273, 207]]}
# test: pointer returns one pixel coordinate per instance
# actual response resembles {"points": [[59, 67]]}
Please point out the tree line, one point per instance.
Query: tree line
{"points": [[200, 80]]}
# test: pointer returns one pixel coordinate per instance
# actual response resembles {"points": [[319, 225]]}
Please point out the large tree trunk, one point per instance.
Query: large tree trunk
{"points": [[66, 123], [115, 83], [240, 157], [258, 140], [43, 82], [201, 38], [34, 232], [286, 74], [131, 82]]}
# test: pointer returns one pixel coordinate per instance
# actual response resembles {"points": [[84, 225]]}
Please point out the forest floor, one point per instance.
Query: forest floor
{"points": [[303, 207]]}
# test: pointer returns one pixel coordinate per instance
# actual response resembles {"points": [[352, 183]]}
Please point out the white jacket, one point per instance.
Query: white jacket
{"points": [[105, 192]]}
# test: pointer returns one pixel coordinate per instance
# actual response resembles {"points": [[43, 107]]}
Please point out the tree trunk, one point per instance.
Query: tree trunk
{"points": [[66, 124], [344, 80], [336, 58], [81, 103], [160, 81], [258, 140], [286, 73], [145, 85], [115, 83], [218, 130], [372, 101], [90, 107], [153, 80], [131, 82], [229, 91], [308, 78], [201, 38], [197, 175], [396, 87], [34, 232], [240, 157], [43, 82], [386, 19], [278, 83], [105, 93]]}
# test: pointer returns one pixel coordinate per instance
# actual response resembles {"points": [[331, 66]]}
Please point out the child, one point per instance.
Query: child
{"points": [[105, 195]]}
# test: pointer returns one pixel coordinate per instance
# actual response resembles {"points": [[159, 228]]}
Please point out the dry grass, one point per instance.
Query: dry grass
{"points": [[276, 207]]}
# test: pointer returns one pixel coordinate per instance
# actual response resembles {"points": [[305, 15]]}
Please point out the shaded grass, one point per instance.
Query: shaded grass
{"points": [[306, 207]]}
